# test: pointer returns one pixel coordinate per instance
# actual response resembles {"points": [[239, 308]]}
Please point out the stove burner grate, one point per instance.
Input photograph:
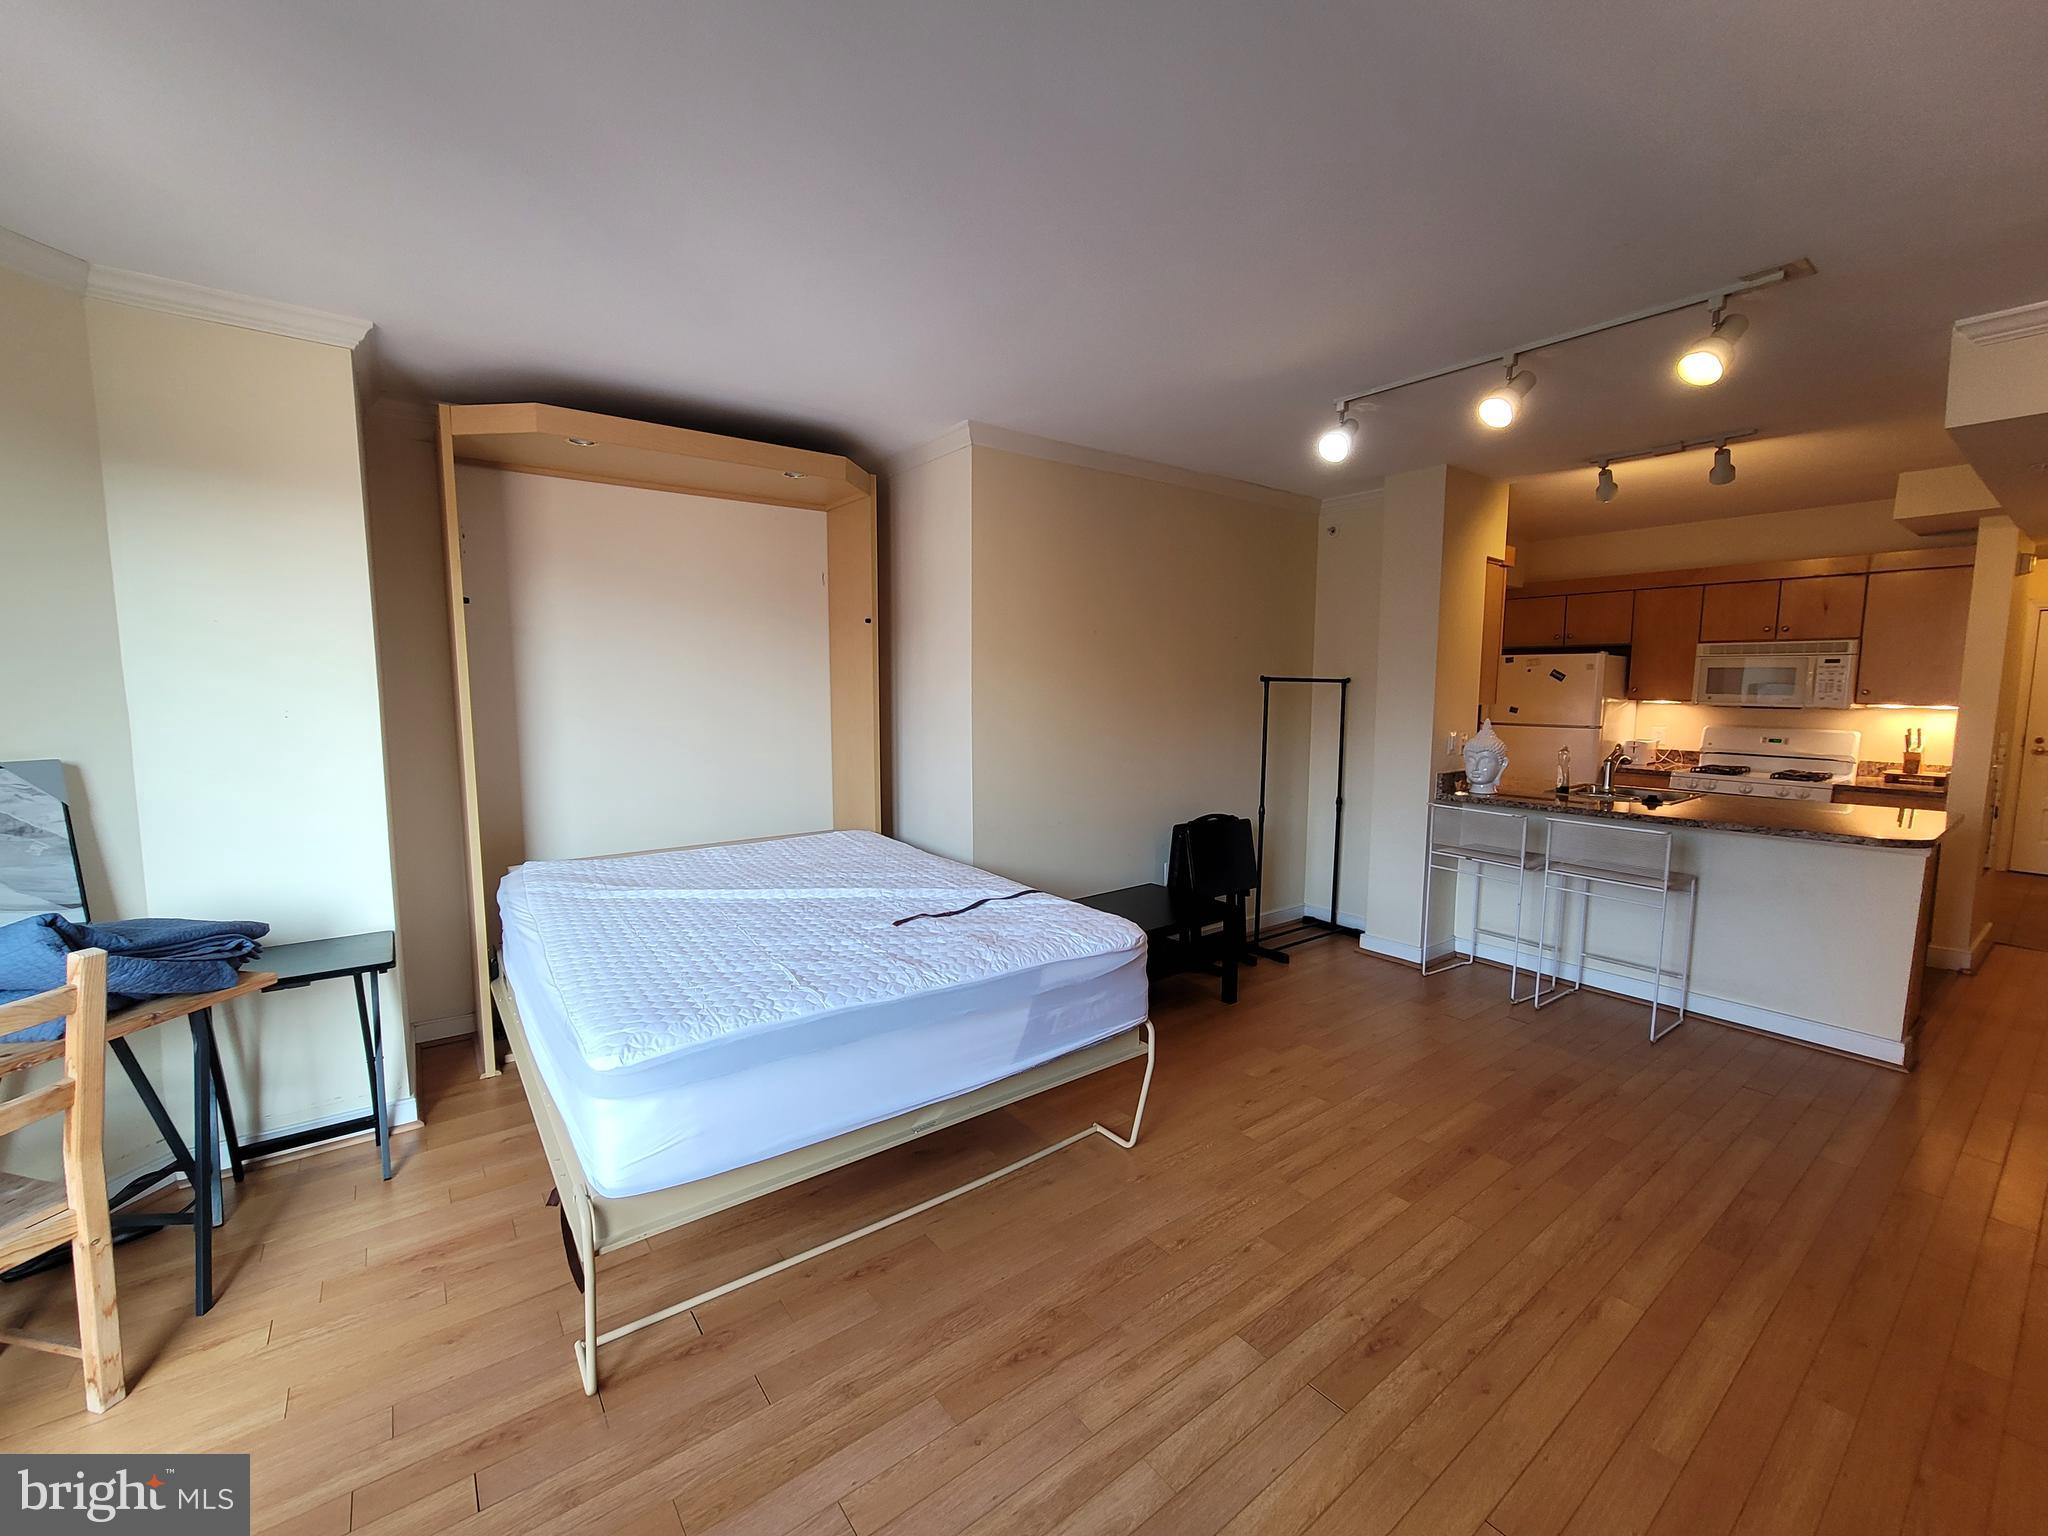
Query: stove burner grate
{"points": [[1803, 775], [1723, 770]]}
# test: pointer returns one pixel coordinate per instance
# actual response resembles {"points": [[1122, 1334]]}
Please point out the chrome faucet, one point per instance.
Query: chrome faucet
{"points": [[1608, 764]]}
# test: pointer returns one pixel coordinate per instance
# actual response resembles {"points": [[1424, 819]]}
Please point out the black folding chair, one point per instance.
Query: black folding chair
{"points": [[1211, 871]]}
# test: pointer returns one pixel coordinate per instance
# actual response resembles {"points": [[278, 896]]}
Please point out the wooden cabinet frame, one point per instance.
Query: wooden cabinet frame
{"points": [[537, 439]]}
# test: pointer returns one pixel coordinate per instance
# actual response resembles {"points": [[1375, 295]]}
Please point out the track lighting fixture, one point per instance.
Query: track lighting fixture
{"points": [[1723, 472], [1498, 408], [1335, 445], [1703, 363], [1709, 358]]}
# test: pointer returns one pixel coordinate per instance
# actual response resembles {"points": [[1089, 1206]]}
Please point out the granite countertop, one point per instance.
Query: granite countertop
{"points": [[1869, 826]]}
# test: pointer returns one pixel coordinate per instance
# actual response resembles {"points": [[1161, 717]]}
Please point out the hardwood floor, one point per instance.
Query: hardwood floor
{"points": [[1391, 1256], [2019, 908]]}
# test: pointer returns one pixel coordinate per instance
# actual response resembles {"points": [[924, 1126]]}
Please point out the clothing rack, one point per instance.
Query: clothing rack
{"points": [[1304, 930]]}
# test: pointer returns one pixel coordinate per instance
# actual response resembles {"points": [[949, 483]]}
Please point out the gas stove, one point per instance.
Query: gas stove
{"points": [[1771, 765]]}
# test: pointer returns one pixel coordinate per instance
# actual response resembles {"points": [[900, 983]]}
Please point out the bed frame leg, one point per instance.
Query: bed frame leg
{"points": [[586, 1242], [1144, 1088]]}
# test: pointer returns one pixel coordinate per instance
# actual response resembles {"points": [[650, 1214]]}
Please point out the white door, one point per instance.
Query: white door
{"points": [[2030, 805]]}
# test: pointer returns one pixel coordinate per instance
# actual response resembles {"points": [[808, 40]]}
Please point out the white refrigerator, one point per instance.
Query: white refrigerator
{"points": [[1574, 701]]}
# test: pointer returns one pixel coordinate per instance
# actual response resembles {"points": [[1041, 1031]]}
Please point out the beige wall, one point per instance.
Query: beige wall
{"points": [[1120, 625], [1862, 527], [1960, 923], [1347, 645], [1437, 528], [234, 497], [422, 765], [65, 697], [649, 669], [928, 610]]}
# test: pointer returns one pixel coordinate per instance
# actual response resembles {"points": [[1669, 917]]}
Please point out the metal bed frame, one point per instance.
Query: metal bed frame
{"points": [[595, 1224]]}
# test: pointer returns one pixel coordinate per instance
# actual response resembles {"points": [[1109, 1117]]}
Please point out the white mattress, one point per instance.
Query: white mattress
{"points": [[699, 1010]]}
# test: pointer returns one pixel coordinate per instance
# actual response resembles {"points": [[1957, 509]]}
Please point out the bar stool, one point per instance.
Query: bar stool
{"points": [[1630, 866], [1462, 835]]}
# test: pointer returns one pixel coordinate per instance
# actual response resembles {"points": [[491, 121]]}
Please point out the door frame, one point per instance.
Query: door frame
{"points": [[2016, 755]]}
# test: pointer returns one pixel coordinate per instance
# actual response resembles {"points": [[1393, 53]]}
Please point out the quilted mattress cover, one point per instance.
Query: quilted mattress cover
{"points": [[696, 1010]]}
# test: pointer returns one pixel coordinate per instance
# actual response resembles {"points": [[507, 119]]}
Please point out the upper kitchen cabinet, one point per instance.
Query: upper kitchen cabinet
{"points": [[1821, 608], [1667, 637], [1739, 610], [1913, 624], [1583, 619], [1599, 618], [1532, 624]]}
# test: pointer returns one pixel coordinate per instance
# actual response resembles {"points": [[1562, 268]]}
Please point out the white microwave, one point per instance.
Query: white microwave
{"points": [[1797, 674]]}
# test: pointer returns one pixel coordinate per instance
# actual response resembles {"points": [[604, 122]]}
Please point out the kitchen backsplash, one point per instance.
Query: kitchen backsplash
{"points": [[1677, 727]]}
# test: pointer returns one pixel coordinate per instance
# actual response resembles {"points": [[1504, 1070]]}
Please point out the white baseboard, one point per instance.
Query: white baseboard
{"points": [[456, 1026], [1850, 1042], [1321, 913], [1390, 949], [1949, 957], [405, 1115]]}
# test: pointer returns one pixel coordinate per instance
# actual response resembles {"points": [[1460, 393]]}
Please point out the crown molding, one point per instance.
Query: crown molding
{"points": [[1353, 501], [982, 435], [2006, 324], [44, 263], [952, 440], [139, 290]]}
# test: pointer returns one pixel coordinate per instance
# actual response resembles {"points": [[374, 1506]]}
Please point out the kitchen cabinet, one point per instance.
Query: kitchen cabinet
{"points": [[1532, 624], [1739, 610], [1599, 618], [1821, 608], [1913, 625], [1666, 640], [1583, 619]]}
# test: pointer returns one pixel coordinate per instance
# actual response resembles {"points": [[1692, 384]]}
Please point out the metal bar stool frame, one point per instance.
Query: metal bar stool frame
{"points": [[1572, 877], [1450, 859]]}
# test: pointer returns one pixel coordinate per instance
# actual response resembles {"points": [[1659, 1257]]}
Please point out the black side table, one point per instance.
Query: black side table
{"points": [[1151, 908], [357, 956]]}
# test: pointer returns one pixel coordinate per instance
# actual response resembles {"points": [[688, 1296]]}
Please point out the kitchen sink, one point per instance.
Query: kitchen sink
{"points": [[1630, 796]]}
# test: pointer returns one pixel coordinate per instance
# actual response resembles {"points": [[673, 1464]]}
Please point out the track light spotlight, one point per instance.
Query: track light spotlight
{"points": [[1335, 445], [1723, 472], [1706, 360], [1500, 407], [1604, 489]]}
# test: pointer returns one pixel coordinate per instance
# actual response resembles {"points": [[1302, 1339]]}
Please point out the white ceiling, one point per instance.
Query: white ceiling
{"points": [[1172, 230]]}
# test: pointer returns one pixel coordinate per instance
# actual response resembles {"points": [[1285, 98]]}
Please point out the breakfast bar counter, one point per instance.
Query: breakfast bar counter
{"points": [[1868, 826], [1812, 917]]}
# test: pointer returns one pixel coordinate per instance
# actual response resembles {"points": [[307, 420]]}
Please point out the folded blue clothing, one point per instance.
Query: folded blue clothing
{"points": [[146, 957]]}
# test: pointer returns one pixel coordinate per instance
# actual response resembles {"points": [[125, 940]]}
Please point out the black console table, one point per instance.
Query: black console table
{"points": [[361, 957]]}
